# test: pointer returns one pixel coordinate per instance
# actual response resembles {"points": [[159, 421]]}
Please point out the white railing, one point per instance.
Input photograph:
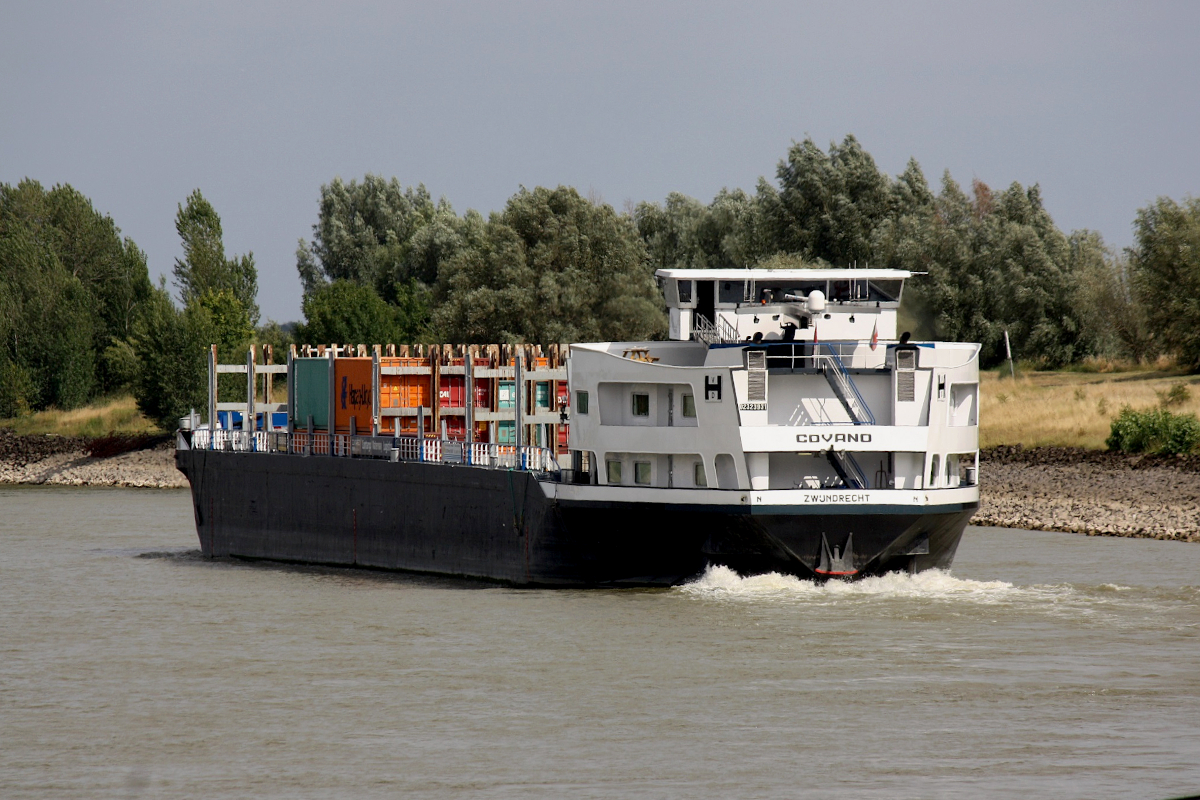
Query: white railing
{"points": [[237, 441], [719, 333], [399, 448]]}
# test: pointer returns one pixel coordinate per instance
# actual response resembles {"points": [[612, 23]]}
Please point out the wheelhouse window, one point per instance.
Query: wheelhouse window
{"points": [[614, 471], [689, 405], [581, 402], [884, 291], [641, 473], [731, 291], [641, 404], [685, 291]]}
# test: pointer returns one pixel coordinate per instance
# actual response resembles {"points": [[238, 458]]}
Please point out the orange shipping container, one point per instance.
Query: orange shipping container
{"points": [[352, 394]]}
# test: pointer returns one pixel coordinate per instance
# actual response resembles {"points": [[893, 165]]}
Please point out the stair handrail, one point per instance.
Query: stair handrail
{"points": [[720, 332], [849, 390]]}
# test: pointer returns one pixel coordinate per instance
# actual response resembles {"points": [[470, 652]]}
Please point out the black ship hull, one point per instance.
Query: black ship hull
{"points": [[500, 525]]}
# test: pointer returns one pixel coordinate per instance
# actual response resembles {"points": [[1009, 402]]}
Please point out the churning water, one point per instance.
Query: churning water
{"points": [[1043, 664]]}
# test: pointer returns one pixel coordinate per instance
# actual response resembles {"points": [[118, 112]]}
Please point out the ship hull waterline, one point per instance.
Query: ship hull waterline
{"points": [[498, 525]]}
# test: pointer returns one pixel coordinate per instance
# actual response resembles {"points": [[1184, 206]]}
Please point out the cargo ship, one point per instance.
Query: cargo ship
{"points": [[781, 427]]}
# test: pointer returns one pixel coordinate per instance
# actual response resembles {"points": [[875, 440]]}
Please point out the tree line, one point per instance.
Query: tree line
{"points": [[80, 318]]}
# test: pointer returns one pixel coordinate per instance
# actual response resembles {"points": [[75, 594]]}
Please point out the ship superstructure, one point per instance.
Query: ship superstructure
{"points": [[783, 426]]}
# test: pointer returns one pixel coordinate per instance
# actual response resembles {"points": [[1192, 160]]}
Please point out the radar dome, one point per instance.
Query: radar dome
{"points": [[816, 301]]}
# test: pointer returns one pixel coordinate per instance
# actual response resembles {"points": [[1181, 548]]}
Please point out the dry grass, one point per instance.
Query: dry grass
{"points": [[1070, 409], [114, 415]]}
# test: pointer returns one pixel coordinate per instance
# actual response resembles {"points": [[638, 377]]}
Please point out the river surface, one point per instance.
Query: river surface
{"points": [[1043, 665]]}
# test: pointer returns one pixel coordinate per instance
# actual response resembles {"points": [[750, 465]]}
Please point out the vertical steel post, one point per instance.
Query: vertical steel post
{"points": [[375, 391], [329, 423], [518, 397], [291, 393], [251, 385], [469, 403], [212, 395]]}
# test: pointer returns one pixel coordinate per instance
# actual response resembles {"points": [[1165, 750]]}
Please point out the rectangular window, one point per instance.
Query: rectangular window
{"points": [[731, 291], [641, 472], [614, 471], [641, 404], [685, 291], [698, 476], [689, 405], [581, 402]]}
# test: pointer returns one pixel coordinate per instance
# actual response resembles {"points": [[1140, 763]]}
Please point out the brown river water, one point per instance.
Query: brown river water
{"points": [[1042, 665]]}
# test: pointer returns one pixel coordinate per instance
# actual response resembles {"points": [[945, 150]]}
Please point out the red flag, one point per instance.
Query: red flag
{"points": [[875, 336]]}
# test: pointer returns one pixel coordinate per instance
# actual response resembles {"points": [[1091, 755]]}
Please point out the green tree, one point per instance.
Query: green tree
{"points": [[370, 233], [1113, 316], [997, 263], [204, 270], [1165, 266], [65, 273], [551, 267], [829, 205], [344, 312], [50, 318], [173, 353]]}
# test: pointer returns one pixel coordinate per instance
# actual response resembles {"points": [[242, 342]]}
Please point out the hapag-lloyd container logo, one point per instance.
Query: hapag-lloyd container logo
{"points": [[357, 396], [832, 438]]}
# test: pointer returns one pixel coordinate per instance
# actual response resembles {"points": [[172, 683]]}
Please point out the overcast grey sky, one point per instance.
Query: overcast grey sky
{"points": [[258, 104]]}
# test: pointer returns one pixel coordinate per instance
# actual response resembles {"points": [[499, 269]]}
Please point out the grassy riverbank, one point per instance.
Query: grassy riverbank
{"points": [[112, 415], [1071, 408]]}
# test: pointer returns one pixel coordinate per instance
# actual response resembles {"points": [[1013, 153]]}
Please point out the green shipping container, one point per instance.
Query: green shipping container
{"points": [[542, 394], [506, 394], [506, 432], [310, 377]]}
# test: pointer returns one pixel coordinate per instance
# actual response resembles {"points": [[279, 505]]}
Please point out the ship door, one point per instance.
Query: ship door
{"points": [[706, 302]]}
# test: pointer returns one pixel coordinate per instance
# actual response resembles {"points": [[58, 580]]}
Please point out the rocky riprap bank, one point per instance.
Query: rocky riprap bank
{"points": [[1092, 492], [1044, 488], [144, 461]]}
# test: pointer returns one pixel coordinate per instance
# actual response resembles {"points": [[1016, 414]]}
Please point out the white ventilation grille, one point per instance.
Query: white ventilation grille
{"points": [[756, 359], [906, 359], [756, 386], [906, 386]]}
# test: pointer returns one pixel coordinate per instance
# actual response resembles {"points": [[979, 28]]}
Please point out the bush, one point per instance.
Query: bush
{"points": [[1153, 431]]}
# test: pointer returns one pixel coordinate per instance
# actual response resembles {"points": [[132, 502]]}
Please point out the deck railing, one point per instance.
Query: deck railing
{"points": [[720, 332], [489, 455]]}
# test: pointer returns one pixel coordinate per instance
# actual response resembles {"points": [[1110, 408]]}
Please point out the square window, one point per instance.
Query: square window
{"points": [[641, 404], [641, 472], [614, 471], [581, 402], [689, 405], [698, 476]]}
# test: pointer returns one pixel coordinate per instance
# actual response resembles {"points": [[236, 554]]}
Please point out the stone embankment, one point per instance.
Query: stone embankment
{"points": [[1045, 488], [1090, 492], [144, 461]]}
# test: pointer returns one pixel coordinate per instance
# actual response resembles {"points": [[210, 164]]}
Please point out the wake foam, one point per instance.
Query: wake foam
{"points": [[720, 582]]}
